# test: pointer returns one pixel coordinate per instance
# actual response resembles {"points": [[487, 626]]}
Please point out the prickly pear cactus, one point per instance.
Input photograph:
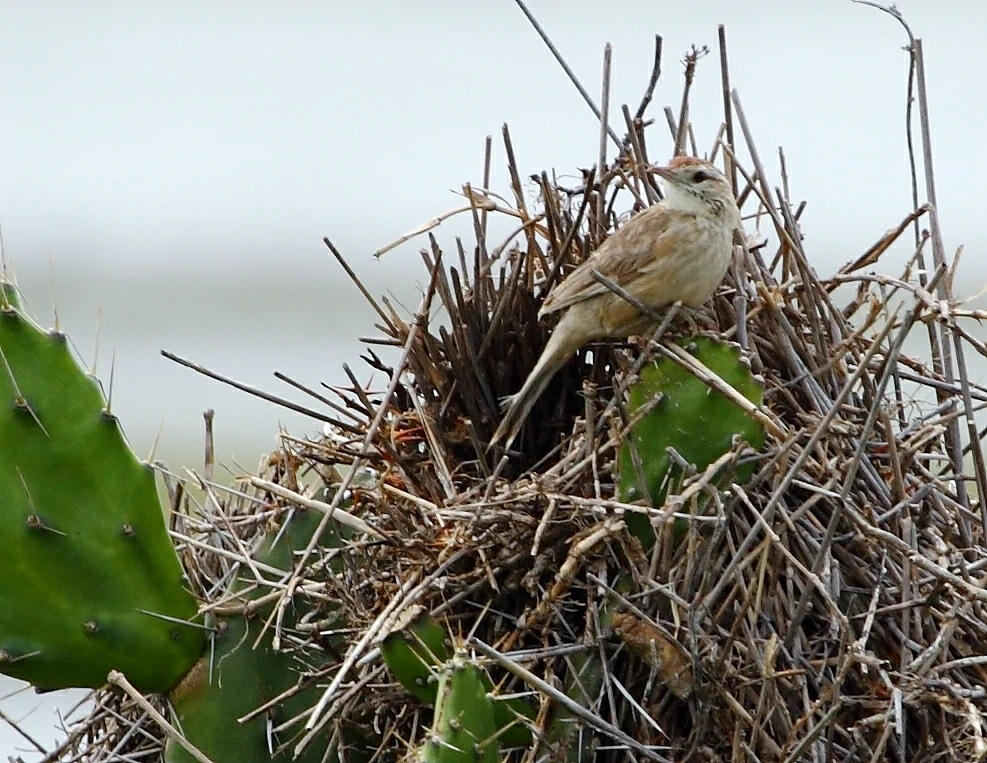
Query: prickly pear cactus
{"points": [[90, 580], [238, 676], [573, 741], [412, 652], [691, 417], [464, 726], [566, 737], [416, 650]]}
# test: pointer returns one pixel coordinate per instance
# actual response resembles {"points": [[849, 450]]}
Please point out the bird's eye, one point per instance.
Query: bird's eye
{"points": [[700, 176]]}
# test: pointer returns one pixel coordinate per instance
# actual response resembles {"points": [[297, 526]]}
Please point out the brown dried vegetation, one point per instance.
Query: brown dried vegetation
{"points": [[830, 609]]}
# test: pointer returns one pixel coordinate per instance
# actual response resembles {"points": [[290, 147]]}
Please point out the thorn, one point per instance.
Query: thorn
{"points": [[54, 301], [99, 328], [154, 445]]}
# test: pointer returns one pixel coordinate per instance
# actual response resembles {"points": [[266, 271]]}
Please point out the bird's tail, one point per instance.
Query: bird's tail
{"points": [[519, 405]]}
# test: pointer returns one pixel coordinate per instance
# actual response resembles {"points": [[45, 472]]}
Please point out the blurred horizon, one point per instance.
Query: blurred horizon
{"points": [[175, 168]]}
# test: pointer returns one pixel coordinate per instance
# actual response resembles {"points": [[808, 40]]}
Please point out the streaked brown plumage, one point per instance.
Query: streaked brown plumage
{"points": [[678, 249]]}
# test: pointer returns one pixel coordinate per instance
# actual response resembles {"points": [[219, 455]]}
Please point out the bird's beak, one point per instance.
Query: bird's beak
{"points": [[665, 173]]}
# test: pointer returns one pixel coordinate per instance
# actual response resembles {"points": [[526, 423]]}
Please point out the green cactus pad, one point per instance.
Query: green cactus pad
{"points": [[235, 678], [242, 679], [464, 727], [91, 582], [691, 417], [412, 654], [567, 738]]}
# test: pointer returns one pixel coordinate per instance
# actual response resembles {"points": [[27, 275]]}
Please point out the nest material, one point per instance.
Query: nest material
{"points": [[831, 609], [834, 605]]}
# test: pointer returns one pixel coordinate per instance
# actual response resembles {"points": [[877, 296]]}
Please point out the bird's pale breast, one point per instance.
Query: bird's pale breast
{"points": [[687, 263]]}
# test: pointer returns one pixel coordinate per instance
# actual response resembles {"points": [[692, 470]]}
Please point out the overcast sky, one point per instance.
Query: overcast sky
{"points": [[179, 162], [180, 134]]}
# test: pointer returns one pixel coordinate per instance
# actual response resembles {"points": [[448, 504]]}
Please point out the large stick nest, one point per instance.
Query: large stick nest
{"points": [[835, 602], [831, 607]]}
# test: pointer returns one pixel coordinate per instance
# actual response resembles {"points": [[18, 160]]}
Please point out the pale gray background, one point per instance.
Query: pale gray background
{"points": [[179, 163]]}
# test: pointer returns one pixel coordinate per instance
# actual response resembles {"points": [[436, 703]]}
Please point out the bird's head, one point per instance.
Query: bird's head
{"points": [[694, 185]]}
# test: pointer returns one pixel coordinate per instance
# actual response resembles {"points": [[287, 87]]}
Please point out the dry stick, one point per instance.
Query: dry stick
{"points": [[631, 375], [480, 261], [356, 688], [916, 70], [909, 137], [692, 140], [379, 341], [359, 462], [811, 297], [784, 177], [522, 208], [570, 236], [890, 361], [640, 158], [907, 586], [714, 150], [570, 704], [672, 124], [816, 730], [250, 390], [892, 541], [487, 160], [404, 597], [351, 657], [652, 81], [463, 267], [880, 246], [604, 125], [764, 192], [358, 283], [324, 400], [433, 223], [939, 258], [341, 516], [821, 430], [116, 678], [698, 369], [909, 100], [358, 392], [727, 111], [31, 740], [979, 466], [690, 72], [565, 67], [553, 218]]}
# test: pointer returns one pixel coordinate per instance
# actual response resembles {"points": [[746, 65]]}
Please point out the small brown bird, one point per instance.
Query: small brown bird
{"points": [[678, 249]]}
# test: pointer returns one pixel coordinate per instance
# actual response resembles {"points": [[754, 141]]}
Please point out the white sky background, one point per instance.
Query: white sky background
{"points": [[212, 134], [181, 161]]}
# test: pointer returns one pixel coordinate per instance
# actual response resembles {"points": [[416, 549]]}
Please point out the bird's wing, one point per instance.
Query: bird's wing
{"points": [[620, 258]]}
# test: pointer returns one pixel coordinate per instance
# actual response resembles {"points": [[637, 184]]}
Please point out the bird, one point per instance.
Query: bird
{"points": [[675, 250]]}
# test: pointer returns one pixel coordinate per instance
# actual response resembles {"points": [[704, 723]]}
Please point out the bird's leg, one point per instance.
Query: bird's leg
{"points": [[689, 319]]}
